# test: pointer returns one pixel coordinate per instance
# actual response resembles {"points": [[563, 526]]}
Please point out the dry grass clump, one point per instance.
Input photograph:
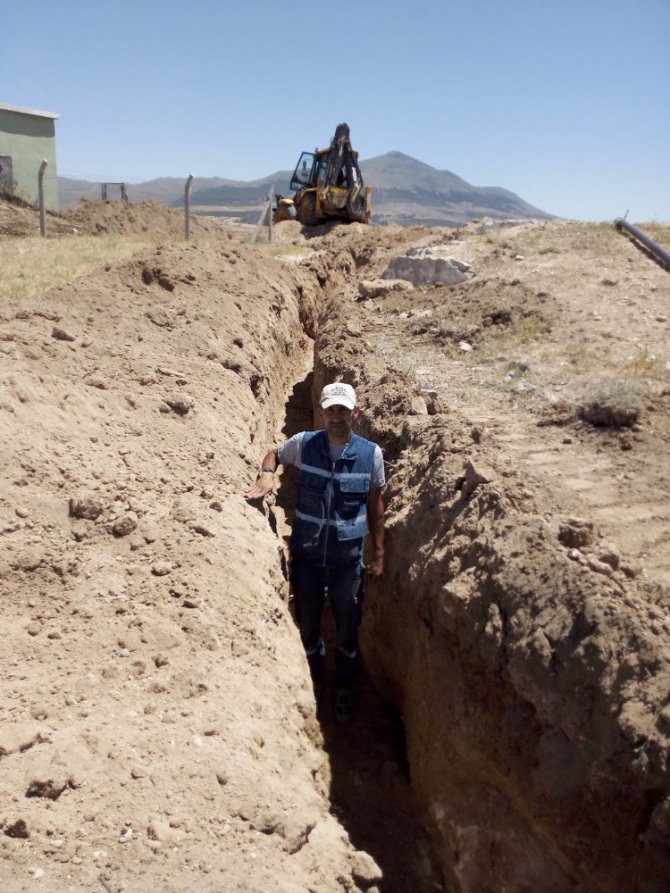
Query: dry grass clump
{"points": [[645, 365], [611, 403], [659, 232], [585, 358], [34, 264], [527, 330]]}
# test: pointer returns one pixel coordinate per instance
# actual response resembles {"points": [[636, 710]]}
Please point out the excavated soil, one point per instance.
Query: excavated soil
{"points": [[96, 218], [158, 725]]}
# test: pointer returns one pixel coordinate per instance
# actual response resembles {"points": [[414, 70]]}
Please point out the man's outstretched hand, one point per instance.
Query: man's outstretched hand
{"points": [[265, 484]]}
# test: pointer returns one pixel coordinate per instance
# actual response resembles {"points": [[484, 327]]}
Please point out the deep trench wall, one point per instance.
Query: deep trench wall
{"points": [[534, 691], [155, 408]]}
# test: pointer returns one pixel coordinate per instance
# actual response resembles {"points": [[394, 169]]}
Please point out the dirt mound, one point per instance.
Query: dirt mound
{"points": [[159, 726], [91, 217], [139, 720], [121, 217], [21, 219]]}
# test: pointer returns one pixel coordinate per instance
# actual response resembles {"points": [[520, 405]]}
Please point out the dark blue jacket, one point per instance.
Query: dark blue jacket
{"points": [[330, 521]]}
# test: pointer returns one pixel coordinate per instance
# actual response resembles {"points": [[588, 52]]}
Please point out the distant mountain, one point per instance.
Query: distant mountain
{"points": [[404, 190], [410, 191]]}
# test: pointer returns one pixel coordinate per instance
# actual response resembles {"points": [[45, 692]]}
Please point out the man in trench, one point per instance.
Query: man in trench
{"points": [[340, 485]]}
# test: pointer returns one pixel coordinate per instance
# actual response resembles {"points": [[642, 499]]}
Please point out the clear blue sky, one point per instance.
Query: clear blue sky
{"points": [[564, 102]]}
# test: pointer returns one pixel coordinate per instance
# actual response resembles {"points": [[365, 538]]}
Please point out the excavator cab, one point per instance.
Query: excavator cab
{"points": [[327, 185], [305, 173]]}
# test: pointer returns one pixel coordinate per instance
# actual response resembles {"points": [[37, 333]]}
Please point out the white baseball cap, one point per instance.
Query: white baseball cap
{"points": [[338, 394]]}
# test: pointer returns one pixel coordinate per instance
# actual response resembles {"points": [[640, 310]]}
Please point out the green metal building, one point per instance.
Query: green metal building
{"points": [[28, 137]]}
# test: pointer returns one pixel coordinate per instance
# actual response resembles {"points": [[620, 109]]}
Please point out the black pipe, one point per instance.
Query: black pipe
{"points": [[659, 253]]}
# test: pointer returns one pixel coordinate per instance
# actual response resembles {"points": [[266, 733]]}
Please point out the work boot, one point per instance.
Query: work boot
{"points": [[345, 704], [345, 669]]}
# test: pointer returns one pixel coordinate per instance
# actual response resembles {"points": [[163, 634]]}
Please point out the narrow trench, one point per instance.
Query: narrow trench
{"points": [[370, 793]]}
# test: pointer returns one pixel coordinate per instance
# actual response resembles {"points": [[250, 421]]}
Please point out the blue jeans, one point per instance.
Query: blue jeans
{"points": [[345, 592]]}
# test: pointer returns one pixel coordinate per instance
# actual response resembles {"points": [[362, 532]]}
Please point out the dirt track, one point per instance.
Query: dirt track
{"points": [[158, 724]]}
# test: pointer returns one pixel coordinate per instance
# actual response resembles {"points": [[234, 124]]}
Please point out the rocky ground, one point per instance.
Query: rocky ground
{"points": [[159, 728]]}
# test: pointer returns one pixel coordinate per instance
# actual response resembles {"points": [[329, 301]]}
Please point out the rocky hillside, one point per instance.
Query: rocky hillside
{"points": [[405, 190]]}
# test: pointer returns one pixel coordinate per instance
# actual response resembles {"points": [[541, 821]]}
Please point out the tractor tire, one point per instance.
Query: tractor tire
{"points": [[307, 210]]}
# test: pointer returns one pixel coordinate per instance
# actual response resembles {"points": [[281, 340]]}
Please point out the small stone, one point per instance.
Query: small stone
{"points": [[599, 566], [21, 512], [179, 403], [124, 526], [161, 569], [34, 629], [631, 571], [61, 335], [296, 834], [86, 507], [575, 533], [609, 554], [419, 406], [94, 381], [473, 476], [202, 530]]}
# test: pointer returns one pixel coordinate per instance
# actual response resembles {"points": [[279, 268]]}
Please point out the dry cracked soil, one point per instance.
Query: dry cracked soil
{"points": [[158, 728]]}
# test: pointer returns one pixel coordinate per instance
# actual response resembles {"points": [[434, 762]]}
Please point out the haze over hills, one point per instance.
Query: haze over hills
{"points": [[405, 190]]}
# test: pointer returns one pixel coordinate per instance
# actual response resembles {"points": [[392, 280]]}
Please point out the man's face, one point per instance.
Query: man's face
{"points": [[338, 420]]}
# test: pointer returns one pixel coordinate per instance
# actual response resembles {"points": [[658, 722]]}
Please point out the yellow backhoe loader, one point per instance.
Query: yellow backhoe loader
{"points": [[328, 185]]}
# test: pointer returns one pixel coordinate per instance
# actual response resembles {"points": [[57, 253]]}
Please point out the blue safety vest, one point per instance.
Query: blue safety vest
{"points": [[330, 521]]}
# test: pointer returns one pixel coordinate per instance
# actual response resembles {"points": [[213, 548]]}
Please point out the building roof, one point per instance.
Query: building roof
{"points": [[24, 111]]}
